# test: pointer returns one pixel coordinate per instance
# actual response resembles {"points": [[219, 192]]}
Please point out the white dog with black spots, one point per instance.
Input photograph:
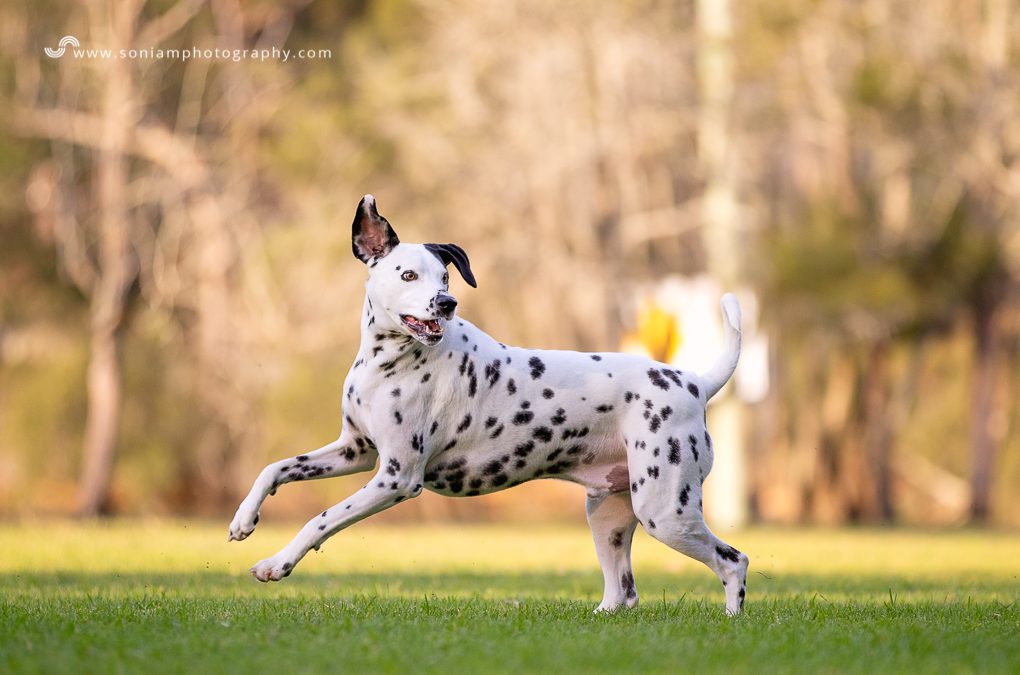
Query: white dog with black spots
{"points": [[435, 403]]}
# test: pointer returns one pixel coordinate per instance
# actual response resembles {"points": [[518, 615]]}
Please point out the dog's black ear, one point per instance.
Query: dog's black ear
{"points": [[451, 253], [371, 234]]}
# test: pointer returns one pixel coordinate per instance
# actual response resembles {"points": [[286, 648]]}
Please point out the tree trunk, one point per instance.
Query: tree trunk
{"points": [[117, 266], [720, 232], [877, 499], [982, 442], [101, 425]]}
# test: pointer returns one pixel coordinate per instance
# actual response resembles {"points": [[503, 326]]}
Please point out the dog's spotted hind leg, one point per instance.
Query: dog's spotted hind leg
{"points": [[612, 523]]}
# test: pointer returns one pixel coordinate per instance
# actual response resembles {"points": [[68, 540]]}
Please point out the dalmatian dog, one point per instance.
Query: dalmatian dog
{"points": [[433, 402]]}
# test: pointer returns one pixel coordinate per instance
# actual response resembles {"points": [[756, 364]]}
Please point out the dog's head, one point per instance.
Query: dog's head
{"points": [[408, 281]]}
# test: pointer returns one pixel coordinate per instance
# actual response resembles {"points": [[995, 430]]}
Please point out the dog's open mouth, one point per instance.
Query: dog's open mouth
{"points": [[428, 330]]}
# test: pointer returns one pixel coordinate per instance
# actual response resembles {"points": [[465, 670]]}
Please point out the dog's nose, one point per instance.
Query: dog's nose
{"points": [[446, 304]]}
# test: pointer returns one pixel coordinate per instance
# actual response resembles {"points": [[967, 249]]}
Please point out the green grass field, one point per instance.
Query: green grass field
{"points": [[174, 597]]}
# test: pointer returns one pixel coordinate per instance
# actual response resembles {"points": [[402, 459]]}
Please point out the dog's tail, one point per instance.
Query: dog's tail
{"points": [[721, 371]]}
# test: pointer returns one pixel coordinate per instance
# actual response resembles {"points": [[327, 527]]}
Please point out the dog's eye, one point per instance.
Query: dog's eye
{"points": [[409, 275], [446, 278]]}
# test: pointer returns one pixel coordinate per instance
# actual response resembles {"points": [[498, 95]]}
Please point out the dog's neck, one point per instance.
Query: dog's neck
{"points": [[382, 341]]}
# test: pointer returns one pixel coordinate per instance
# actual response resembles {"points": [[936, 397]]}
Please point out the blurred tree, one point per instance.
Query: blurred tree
{"points": [[142, 204]]}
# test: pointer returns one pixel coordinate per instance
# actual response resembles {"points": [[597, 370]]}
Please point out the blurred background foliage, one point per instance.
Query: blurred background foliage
{"points": [[178, 301]]}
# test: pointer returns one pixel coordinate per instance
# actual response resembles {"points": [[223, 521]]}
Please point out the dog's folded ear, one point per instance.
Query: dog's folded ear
{"points": [[451, 253], [371, 234]]}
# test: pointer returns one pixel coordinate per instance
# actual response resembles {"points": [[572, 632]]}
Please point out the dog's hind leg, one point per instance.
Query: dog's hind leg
{"points": [[345, 455], [684, 529], [612, 522]]}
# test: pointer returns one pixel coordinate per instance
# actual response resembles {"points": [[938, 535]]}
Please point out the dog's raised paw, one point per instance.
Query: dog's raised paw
{"points": [[242, 525], [271, 569]]}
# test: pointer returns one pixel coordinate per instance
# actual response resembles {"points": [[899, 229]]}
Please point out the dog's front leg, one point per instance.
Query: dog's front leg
{"points": [[341, 457], [394, 483]]}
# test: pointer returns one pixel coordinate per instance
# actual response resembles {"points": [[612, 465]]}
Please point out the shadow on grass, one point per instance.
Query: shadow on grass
{"points": [[571, 587]]}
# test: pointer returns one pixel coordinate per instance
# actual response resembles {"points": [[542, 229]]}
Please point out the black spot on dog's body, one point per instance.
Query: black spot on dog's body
{"points": [[491, 422], [548, 393], [559, 418], [604, 408], [657, 379], [728, 553], [653, 423], [492, 373], [674, 376], [496, 432], [616, 538], [525, 404], [523, 417], [693, 388], [475, 483], [653, 471], [450, 445], [674, 450], [464, 424], [395, 392], [511, 387], [302, 458], [492, 468], [627, 581], [596, 357], [665, 412], [543, 434], [499, 480], [628, 397], [694, 446], [392, 467], [435, 425], [685, 495], [651, 524], [554, 454], [574, 433], [524, 449], [425, 378], [537, 367], [398, 417]]}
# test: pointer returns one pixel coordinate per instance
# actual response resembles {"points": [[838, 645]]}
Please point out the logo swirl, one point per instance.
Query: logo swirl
{"points": [[62, 45]]}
